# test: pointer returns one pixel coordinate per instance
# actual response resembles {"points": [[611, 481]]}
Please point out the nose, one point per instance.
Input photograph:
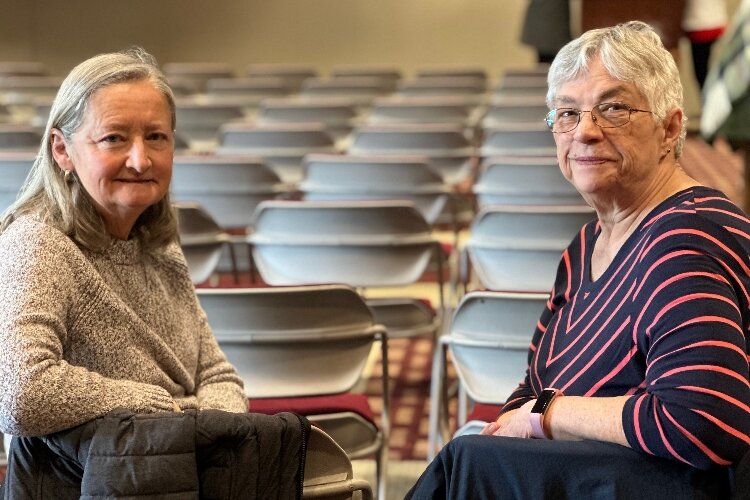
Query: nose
{"points": [[138, 156], [587, 127]]}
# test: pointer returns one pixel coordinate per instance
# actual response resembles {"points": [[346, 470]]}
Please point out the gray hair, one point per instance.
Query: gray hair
{"points": [[631, 52], [66, 205]]}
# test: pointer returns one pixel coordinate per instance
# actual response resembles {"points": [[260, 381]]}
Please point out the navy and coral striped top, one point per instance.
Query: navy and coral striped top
{"points": [[667, 322]]}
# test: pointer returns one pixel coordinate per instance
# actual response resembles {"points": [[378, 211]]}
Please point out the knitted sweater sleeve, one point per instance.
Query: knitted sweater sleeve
{"points": [[218, 386], [694, 405], [41, 292]]}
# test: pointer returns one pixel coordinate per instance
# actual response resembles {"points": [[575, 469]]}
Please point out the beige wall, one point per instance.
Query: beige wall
{"points": [[405, 33]]}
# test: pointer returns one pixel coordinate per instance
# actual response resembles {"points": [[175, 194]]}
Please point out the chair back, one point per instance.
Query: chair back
{"points": [[518, 139], [360, 243], [14, 168], [282, 146], [447, 145], [390, 110], [292, 341], [489, 341], [505, 180], [514, 109], [518, 248], [201, 240], [15, 137], [227, 187], [372, 177]]}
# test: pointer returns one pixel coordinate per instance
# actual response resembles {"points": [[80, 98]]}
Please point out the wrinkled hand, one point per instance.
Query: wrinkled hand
{"points": [[175, 406], [514, 423]]}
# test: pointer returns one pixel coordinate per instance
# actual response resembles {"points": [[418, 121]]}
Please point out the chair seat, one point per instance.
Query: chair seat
{"points": [[355, 403], [485, 412]]}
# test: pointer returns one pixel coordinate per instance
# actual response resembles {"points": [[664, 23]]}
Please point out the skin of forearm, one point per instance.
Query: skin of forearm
{"points": [[574, 418]]}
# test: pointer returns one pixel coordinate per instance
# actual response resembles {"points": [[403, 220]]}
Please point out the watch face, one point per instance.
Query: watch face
{"points": [[543, 401]]}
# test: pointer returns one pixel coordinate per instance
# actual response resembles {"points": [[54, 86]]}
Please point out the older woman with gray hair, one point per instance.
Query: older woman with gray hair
{"points": [[637, 383], [97, 309]]}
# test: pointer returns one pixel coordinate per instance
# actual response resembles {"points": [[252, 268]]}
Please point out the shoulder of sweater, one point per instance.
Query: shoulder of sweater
{"points": [[28, 234]]}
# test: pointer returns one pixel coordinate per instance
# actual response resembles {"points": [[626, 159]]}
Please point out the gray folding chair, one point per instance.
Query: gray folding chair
{"points": [[514, 109], [292, 74], [303, 349], [518, 247], [250, 90], [339, 115], [282, 146], [17, 137], [518, 139], [519, 180], [360, 89], [197, 72], [14, 168], [442, 86], [386, 74], [364, 244], [349, 177], [489, 341], [22, 68], [423, 109], [228, 187], [21, 90], [201, 240], [447, 146], [328, 471], [199, 121], [452, 72]]}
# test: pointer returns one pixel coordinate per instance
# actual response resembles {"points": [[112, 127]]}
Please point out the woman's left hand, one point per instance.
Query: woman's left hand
{"points": [[514, 423]]}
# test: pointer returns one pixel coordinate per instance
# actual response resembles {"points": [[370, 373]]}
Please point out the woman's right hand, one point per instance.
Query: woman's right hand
{"points": [[175, 406]]}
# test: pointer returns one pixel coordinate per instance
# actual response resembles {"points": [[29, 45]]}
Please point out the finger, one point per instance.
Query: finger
{"points": [[175, 406], [489, 428]]}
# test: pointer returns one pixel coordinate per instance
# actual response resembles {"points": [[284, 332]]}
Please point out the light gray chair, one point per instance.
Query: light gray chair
{"points": [[339, 115], [17, 137], [360, 89], [228, 187], [14, 168], [519, 180], [301, 348], [22, 68], [451, 72], [442, 86], [365, 244], [199, 121], [197, 72], [387, 75], [249, 91], [514, 109], [449, 149], [281, 145], [202, 241], [489, 341], [350, 177], [328, 471], [518, 247], [423, 109], [22, 90], [292, 74], [518, 139]]}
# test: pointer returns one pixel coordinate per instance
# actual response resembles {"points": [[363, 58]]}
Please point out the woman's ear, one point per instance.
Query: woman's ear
{"points": [[672, 128], [60, 150]]}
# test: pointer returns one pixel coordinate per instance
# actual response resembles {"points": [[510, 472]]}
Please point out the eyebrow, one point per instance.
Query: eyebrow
{"points": [[616, 91]]}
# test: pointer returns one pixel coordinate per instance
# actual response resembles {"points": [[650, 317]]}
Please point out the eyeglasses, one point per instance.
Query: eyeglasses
{"points": [[605, 115]]}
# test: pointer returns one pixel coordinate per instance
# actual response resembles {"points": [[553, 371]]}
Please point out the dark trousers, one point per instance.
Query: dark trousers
{"points": [[490, 467]]}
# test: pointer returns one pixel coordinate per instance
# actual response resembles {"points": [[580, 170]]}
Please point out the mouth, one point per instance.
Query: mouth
{"points": [[588, 160]]}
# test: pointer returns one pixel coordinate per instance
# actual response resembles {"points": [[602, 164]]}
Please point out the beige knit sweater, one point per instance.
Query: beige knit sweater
{"points": [[82, 333]]}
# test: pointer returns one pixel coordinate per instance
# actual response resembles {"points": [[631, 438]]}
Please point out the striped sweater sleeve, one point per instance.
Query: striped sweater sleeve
{"points": [[691, 295]]}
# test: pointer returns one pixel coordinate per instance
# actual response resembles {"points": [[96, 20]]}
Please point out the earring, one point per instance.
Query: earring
{"points": [[67, 176], [669, 150]]}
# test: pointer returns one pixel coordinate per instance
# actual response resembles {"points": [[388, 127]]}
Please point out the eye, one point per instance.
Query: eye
{"points": [[157, 136], [613, 107], [111, 138], [567, 113]]}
